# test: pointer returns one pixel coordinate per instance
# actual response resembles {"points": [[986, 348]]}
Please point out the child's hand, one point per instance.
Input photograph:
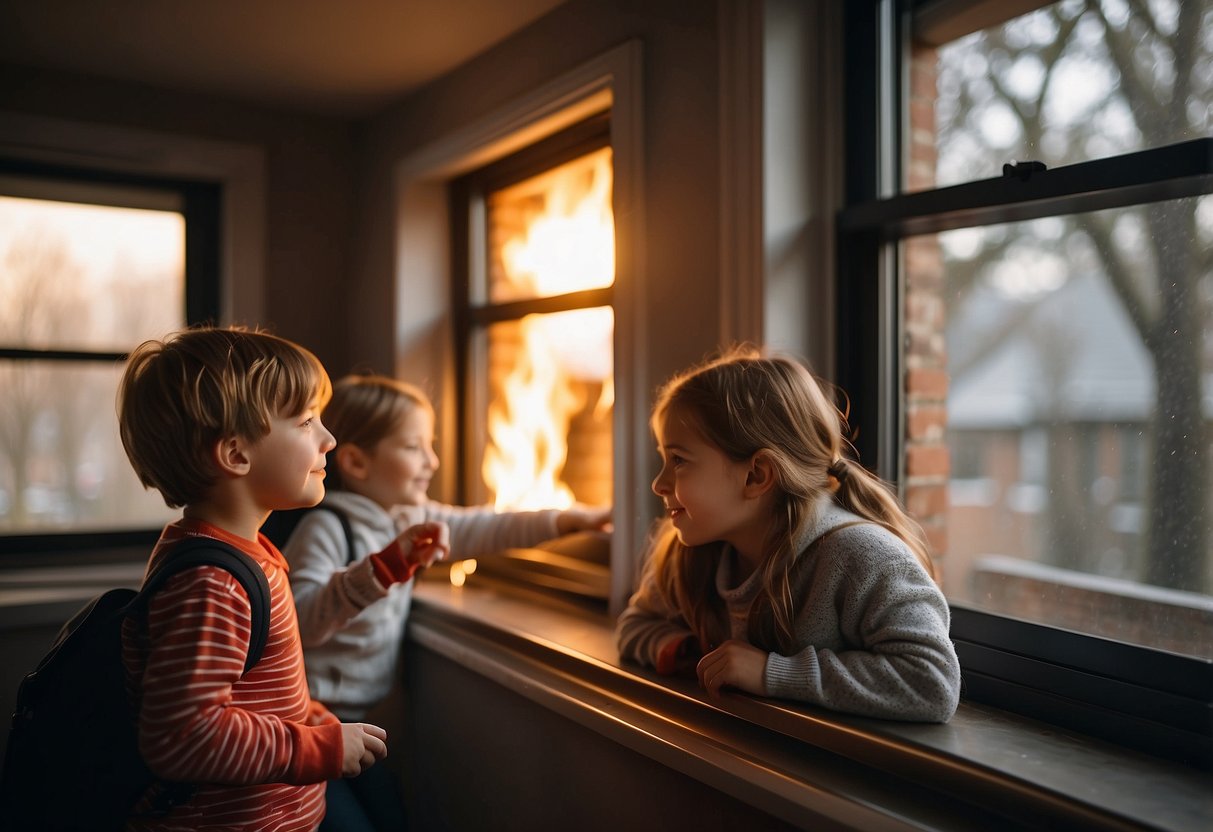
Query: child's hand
{"points": [[416, 547], [425, 543], [736, 664], [362, 746], [583, 518], [678, 656]]}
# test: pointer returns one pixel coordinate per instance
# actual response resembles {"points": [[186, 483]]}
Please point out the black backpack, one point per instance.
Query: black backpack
{"points": [[279, 525], [72, 760]]}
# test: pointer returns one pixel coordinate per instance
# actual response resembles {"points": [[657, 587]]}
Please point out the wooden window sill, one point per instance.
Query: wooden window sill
{"points": [[805, 765]]}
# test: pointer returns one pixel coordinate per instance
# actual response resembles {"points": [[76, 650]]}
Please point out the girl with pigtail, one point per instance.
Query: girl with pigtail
{"points": [[781, 568]]}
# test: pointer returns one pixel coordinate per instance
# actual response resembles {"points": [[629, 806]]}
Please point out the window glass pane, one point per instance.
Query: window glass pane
{"points": [[551, 392], [553, 233], [62, 466], [88, 277], [1079, 392], [1068, 82]]}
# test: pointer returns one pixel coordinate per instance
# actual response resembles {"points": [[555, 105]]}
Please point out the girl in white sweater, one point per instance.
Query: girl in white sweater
{"points": [[352, 606], [782, 569]]}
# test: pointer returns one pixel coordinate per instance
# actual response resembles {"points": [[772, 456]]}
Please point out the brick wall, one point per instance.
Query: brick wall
{"points": [[925, 350]]}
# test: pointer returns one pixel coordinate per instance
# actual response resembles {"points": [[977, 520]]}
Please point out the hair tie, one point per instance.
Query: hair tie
{"points": [[838, 470]]}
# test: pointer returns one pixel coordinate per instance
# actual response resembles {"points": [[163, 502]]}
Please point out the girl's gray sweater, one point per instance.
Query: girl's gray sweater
{"points": [[871, 626], [350, 625]]}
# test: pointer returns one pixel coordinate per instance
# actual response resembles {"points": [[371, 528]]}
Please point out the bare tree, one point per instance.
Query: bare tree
{"points": [[1158, 70], [40, 281]]}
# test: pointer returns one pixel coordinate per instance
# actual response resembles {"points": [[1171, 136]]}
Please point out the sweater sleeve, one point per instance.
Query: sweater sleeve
{"points": [[650, 631], [328, 593], [198, 630], [479, 530], [897, 661]]}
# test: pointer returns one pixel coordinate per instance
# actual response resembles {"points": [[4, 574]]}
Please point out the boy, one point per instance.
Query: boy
{"points": [[224, 424]]}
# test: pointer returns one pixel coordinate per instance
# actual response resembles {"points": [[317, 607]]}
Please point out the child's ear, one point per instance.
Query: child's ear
{"points": [[231, 456], [761, 476], [352, 462]]}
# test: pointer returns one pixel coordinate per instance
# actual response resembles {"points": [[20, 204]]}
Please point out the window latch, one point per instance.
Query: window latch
{"points": [[1022, 170]]}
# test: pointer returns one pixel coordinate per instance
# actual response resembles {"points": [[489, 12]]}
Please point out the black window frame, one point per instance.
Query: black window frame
{"points": [[1142, 698], [201, 207]]}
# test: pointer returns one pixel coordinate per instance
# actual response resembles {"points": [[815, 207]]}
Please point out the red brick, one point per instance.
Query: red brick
{"points": [[927, 461], [926, 422], [927, 384]]}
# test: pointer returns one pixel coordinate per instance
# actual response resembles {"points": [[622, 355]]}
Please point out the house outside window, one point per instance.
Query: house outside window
{"points": [[1038, 226]]}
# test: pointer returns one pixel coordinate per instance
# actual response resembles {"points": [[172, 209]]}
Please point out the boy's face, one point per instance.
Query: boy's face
{"points": [[401, 465], [287, 469]]}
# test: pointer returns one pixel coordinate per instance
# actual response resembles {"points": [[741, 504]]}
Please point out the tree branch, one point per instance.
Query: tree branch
{"points": [[1147, 112], [1135, 305]]}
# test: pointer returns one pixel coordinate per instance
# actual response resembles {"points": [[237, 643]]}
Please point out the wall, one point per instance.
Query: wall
{"points": [[679, 91], [307, 186], [479, 756]]}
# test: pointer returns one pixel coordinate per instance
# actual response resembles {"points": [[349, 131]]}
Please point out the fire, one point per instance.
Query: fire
{"points": [[566, 246]]}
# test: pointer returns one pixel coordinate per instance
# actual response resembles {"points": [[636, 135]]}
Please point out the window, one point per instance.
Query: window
{"points": [[535, 248], [91, 264], [1028, 227]]}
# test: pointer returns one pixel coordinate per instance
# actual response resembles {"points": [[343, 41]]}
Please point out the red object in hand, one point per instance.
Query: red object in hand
{"points": [[416, 547]]}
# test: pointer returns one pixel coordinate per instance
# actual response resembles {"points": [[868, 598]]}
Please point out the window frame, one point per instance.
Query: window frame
{"points": [[1143, 698], [201, 207], [472, 316]]}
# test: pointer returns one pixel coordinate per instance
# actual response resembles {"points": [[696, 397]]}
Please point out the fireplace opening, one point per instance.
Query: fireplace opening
{"points": [[534, 257]]}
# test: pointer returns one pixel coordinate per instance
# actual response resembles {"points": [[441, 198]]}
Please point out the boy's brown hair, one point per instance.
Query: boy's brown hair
{"points": [[366, 408], [180, 396]]}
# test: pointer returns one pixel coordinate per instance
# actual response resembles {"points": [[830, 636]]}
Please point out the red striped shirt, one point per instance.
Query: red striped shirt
{"points": [[258, 745]]}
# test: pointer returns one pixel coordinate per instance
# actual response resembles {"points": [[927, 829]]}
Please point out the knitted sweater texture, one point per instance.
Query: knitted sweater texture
{"points": [[871, 626]]}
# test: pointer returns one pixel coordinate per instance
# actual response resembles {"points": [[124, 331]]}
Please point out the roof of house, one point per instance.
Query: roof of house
{"points": [[1076, 356]]}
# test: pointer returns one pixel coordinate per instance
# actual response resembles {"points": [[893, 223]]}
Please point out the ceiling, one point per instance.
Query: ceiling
{"points": [[341, 58]]}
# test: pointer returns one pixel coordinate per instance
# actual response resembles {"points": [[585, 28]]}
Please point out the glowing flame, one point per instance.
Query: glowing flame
{"points": [[568, 247]]}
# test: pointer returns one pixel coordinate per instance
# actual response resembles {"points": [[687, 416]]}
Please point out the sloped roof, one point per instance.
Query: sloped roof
{"points": [[1075, 357]]}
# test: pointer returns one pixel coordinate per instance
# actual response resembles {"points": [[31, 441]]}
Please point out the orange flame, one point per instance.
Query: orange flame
{"points": [[569, 246]]}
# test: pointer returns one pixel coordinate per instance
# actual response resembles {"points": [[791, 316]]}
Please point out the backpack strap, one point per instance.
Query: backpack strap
{"points": [[207, 551], [346, 529]]}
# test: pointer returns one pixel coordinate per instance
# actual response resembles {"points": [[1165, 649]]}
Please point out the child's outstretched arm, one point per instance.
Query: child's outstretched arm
{"points": [[479, 530], [329, 590], [583, 519]]}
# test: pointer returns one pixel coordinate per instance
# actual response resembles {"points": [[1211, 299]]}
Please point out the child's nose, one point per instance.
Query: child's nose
{"points": [[659, 485]]}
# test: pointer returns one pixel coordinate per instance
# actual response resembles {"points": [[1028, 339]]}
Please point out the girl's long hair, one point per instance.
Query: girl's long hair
{"points": [[744, 403]]}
